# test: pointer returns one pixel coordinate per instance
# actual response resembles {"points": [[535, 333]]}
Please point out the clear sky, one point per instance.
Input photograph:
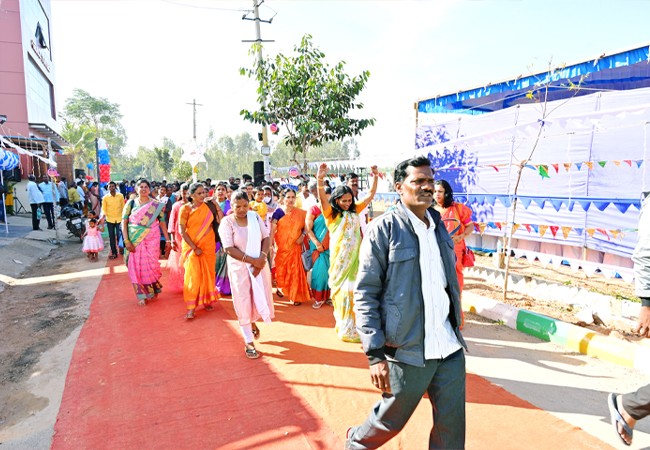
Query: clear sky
{"points": [[153, 57]]}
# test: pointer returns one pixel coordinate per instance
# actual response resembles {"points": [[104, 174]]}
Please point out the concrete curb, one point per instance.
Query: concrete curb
{"points": [[561, 333]]}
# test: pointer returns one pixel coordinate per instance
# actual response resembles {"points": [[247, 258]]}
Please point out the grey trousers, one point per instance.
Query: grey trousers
{"points": [[443, 380], [637, 404]]}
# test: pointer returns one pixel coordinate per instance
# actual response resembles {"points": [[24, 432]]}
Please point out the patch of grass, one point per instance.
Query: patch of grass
{"points": [[499, 322], [567, 283]]}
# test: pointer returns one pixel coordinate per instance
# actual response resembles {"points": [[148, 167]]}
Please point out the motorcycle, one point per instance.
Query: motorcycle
{"points": [[74, 223]]}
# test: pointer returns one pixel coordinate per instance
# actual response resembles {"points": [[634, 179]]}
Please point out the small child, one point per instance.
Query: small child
{"points": [[258, 205], [93, 241]]}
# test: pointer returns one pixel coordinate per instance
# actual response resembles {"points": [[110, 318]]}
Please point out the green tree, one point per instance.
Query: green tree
{"points": [[164, 159], [308, 97], [82, 142], [182, 171]]}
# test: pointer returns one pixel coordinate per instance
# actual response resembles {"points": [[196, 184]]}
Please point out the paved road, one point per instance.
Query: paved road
{"points": [[567, 384]]}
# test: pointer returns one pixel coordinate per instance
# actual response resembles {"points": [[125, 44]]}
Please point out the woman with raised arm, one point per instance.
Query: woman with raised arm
{"points": [[143, 219], [246, 241], [288, 232], [342, 219]]}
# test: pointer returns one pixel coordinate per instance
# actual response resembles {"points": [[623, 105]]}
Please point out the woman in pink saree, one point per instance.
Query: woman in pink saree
{"points": [[142, 221], [176, 270]]}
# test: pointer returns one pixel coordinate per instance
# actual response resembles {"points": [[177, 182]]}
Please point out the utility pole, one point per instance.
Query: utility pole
{"points": [[194, 105], [258, 36]]}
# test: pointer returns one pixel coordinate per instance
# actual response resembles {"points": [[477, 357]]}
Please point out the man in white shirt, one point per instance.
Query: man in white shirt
{"points": [[304, 199], [352, 181], [35, 201], [407, 309], [311, 200]]}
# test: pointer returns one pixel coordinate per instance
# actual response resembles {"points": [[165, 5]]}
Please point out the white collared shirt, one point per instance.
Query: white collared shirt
{"points": [[440, 340]]}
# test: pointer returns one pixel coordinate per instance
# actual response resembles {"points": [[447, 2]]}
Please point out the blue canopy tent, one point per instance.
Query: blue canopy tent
{"points": [[579, 196]]}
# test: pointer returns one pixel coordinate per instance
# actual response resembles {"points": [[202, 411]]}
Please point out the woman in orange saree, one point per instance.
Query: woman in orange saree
{"points": [[198, 255], [288, 232]]}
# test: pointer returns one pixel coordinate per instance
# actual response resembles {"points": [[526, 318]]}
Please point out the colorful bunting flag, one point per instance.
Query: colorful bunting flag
{"points": [[622, 235], [615, 233], [515, 227], [498, 225], [542, 230], [476, 227], [543, 171], [566, 231], [494, 167], [604, 232], [618, 163], [591, 231], [556, 167], [579, 166], [628, 161], [590, 164], [578, 230], [638, 163], [481, 227], [535, 227], [602, 163], [567, 166], [527, 225], [554, 229]]}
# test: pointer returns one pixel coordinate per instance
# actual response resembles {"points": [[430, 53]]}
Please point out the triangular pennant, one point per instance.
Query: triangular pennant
{"points": [[622, 235], [543, 171], [602, 163], [579, 166], [575, 265], [578, 230], [622, 206], [604, 232], [589, 164], [526, 202], [540, 202], [554, 229], [498, 225], [491, 199], [628, 161], [585, 204], [566, 231], [589, 268], [615, 233], [544, 259], [494, 167], [556, 167], [638, 163], [527, 225], [618, 163], [535, 227], [557, 262], [515, 227], [542, 230], [476, 227], [481, 227], [591, 231], [530, 166], [567, 166], [557, 203], [505, 200], [601, 205]]}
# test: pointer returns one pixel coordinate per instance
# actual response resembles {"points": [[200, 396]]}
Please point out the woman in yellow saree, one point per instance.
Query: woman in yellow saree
{"points": [[198, 255], [342, 220], [288, 231]]}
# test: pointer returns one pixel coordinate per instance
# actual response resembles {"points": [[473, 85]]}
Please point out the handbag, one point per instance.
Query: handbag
{"points": [[468, 257], [307, 261]]}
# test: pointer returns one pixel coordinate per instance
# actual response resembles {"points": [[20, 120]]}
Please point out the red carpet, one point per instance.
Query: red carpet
{"points": [[146, 378], [143, 377]]}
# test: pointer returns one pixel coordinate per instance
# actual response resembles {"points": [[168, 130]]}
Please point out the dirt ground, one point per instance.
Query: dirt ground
{"points": [[39, 323], [614, 287]]}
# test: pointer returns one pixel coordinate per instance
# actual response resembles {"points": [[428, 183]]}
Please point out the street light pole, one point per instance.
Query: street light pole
{"points": [[265, 134]]}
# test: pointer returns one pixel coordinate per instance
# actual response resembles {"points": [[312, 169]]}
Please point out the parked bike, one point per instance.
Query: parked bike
{"points": [[74, 222]]}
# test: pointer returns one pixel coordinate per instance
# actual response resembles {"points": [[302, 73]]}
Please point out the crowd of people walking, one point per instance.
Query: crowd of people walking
{"points": [[393, 285]]}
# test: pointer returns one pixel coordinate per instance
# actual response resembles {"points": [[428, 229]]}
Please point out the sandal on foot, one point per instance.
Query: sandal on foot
{"points": [[317, 304], [142, 302], [256, 332], [252, 353], [295, 303], [112, 257], [279, 293], [616, 418], [190, 315]]}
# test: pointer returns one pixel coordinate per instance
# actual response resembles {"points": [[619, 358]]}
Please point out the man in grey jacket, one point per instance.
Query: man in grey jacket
{"points": [[407, 307]]}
